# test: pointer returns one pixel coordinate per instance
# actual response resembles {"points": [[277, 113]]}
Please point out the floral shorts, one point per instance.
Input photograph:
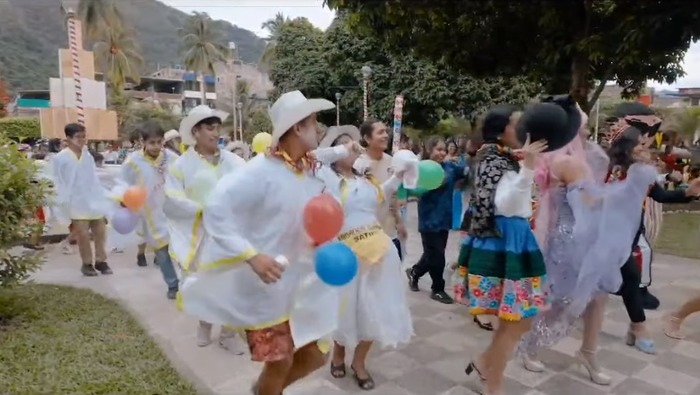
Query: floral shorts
{"points": [[271, 344]]}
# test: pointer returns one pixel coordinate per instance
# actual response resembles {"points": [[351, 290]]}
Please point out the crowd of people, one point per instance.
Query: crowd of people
{"points": [[551, 226]]}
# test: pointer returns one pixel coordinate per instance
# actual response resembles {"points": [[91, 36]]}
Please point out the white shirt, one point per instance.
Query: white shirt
{"points": [[514, 194]]}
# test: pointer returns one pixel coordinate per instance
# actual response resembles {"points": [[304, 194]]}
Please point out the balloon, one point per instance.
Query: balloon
{"points": [[124, 221], [323, 218], [418, 192], [203, 184], [261, 142], [430, 174], [336, 264], [134, 197]]}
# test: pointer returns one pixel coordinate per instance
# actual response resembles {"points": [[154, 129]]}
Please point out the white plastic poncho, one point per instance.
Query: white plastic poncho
{"points": [[186, 187], [142, 170], [260, 211]]}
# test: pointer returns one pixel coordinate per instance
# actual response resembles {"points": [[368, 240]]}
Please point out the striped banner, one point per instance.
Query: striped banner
{"points": [[398, 113], [74, 48]]}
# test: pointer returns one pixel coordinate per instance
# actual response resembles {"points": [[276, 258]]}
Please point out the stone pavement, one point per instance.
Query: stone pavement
{"points": [[433, 363]]}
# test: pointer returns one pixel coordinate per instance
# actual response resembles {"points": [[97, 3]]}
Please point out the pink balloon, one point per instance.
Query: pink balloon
{"points": [[124, 221]]}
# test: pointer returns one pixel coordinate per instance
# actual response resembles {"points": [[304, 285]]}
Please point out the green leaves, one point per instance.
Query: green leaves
{"points": [[20, 128]]}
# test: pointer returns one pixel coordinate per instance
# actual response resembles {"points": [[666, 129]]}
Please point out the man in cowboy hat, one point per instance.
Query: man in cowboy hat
{"points": [[202, 162], [256, 240]]}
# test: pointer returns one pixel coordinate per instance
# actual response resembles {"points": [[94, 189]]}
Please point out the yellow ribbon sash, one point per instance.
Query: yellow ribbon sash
{"points": [[369, 243]]}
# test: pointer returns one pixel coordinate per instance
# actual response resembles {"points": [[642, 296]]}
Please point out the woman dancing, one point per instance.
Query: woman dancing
{"points": [[506, 269], [377, 308], [567, 224]]}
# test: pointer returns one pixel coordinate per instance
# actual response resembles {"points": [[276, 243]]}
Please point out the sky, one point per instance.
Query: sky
{"points": [[251, 14]]}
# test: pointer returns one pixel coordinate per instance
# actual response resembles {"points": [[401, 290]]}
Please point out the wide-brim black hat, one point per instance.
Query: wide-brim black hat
{"points": [[556, 119], [637, 115]]}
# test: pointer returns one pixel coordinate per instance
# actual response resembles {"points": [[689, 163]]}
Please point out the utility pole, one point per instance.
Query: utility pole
{"points": [[234, 76]]}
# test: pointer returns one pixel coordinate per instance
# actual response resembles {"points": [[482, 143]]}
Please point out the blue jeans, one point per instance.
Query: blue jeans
{"points": [[166, 268]]}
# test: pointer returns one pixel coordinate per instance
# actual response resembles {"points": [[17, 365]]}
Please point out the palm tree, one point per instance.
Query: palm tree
{"points": [[202, 46], [274, 27], [98, 14], [117, 53]]}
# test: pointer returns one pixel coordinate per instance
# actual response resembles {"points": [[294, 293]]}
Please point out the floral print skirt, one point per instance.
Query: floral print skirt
{"points": [[506, 275]]}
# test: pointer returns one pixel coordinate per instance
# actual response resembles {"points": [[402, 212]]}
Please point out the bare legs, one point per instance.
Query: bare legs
{"points": [[492, 362], [673, 323], [358, 365], [278, 375], [592, 325]]}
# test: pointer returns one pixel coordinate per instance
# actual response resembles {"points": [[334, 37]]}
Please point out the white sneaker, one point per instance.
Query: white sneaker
{"points": [[532, 365], [230, 341], [204, 334]]}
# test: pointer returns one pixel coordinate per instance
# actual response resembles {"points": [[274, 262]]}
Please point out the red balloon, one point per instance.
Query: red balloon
{"points": [[323, 218]]}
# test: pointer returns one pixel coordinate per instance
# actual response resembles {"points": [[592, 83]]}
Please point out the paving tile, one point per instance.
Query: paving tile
{"points": [[618, 362], [633, 386], [563, 384], [424, 381], [675, 381]]}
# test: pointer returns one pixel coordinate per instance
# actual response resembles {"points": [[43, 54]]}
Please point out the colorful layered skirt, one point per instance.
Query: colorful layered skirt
{"points": [[506, 275]]}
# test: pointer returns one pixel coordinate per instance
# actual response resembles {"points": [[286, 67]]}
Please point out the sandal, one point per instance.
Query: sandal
{"points": [[366, 384], [670, 325], [487, 326], [338, 371]]}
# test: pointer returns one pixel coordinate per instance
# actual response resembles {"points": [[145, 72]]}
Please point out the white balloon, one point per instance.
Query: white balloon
{"points": [[407, 162]]}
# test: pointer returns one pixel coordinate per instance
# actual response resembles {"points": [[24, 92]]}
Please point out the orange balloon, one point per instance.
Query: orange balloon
{"points": [[323, 218], [134, 198]]}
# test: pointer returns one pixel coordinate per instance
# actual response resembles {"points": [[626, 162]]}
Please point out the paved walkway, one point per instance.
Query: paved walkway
{"points": [[433, 363]]}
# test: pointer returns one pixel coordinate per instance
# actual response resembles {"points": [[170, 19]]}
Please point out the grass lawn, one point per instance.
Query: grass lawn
{"points": [[680, 235], [63, 340]]}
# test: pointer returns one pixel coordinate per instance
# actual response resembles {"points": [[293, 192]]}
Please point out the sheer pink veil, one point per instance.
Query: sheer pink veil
{"points": [[546, 182]]}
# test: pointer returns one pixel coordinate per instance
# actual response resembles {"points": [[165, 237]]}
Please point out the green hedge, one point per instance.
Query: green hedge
{"points": [[20, 128]]}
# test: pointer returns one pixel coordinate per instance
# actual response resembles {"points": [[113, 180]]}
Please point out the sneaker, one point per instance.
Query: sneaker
{"points": [[155, 261], [172, 294], [68, 249], [412, 280], [442, 297], [204, 334], [88, 270], [103, 267], [649, 301], [141, 260], [230, 341]]}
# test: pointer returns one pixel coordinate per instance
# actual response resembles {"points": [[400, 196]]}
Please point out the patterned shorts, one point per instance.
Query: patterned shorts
{"points": [[271, 344]]}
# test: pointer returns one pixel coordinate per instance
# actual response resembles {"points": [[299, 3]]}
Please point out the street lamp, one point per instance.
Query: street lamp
{"points": [[366, 74], [239, 106], [338, 95]]}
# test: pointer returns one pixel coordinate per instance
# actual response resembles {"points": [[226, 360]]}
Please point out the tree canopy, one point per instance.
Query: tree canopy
{"points": [[323, 64], [564, 45]]}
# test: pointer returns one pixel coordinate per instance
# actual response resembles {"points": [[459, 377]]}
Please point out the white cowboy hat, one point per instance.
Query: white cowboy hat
{"points": [[171, 135], [336, 131], [234, 145], [291, 108], [196, 115]]}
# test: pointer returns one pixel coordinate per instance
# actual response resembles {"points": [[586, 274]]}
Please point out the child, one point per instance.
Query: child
{"points": [[148, 168], [81, 198], [434, 224]]}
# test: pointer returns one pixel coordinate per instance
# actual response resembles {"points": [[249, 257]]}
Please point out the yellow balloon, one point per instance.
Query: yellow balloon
{"points": [[261, 142]]}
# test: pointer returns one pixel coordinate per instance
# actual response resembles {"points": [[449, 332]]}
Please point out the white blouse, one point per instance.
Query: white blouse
{"points": [[514, 194]]}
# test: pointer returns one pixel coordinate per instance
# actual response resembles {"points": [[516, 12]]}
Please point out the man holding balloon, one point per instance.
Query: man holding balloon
{"points": [[257, 258], [146, 169]]}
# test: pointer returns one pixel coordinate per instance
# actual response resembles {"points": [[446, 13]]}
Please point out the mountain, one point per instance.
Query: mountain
{"points": [[32, 31]]}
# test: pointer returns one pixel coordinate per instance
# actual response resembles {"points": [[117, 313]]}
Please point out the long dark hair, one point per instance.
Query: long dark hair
{"points": [[620, 151], [354, 171], [366, 130], [430, 144]]}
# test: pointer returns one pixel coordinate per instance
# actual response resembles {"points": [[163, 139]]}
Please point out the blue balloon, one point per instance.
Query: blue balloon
{"points": [[336, 264]]}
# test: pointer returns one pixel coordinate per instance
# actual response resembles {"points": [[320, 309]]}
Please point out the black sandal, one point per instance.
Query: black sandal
{"points": [[366, 384], [472, 368], [487, 326], [338, 371]]}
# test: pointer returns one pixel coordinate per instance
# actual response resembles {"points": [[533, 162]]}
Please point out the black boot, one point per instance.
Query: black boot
{"points": [[649, 301], [141, 260], [412, 280]]}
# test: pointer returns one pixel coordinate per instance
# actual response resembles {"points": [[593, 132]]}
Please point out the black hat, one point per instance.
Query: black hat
{"points": [[637, 115], [556, 119]]}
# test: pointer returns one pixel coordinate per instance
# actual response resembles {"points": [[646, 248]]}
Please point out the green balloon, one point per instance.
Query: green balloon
{"points": [[430, 174], [402, 193]]}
